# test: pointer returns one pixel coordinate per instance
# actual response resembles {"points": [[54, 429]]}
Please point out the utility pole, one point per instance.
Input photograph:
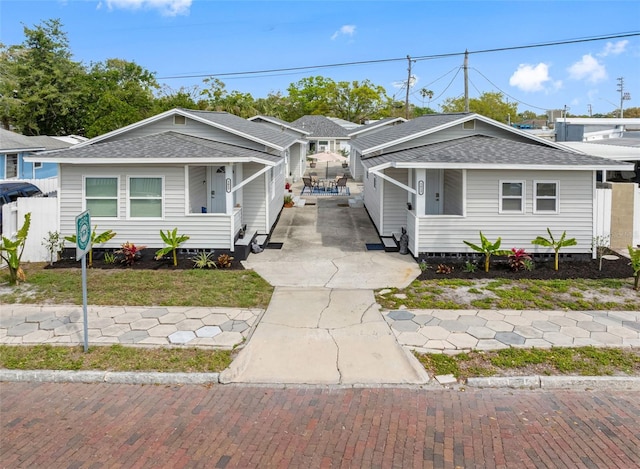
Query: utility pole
{"points": [[590, 112], [406, 101], [466, 80], [623, 96]]}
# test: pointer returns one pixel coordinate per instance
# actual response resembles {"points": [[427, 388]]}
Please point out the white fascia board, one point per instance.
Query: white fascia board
{"points": [[144, 161], [619, 167], [408, 138], [382, 124], [21, 150], [275, 122]]}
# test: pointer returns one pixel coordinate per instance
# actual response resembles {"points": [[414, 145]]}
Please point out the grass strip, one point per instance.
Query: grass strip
{"points": [[223, 288], [584, 361], [113, 358]]}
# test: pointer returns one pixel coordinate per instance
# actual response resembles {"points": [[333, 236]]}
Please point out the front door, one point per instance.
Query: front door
{"points": [[433, 192], [217, 199]]}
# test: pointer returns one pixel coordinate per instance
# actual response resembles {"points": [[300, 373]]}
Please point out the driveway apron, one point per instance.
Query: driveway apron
{"points": [[323, 325]]}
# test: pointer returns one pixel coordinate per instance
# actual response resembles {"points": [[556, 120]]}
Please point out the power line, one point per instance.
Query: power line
{"points": [[423, 57]]}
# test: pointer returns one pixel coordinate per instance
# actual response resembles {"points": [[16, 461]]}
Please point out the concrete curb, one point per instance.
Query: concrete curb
{"points": [[58, 376], [558, 382], [629, 383]]}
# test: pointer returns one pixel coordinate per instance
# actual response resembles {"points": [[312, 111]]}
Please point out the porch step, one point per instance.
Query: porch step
{"points": [[242, 246], [390, 245], [262, 239]]}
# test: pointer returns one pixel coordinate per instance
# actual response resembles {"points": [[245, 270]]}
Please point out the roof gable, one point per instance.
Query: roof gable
{"points": [[363, 129], [320, 127], [433, 123], [170, 146], [276, 121], [221, 120]]}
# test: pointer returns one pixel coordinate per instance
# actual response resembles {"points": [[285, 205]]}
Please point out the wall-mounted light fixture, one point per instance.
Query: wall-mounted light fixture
{"points": [[228, 182], [420, 187]]}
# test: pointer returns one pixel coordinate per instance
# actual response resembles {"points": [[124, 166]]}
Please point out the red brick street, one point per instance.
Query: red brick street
{"points": [[47, 425]]}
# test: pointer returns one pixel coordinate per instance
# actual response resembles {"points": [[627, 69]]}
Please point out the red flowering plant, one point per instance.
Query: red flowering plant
{"points": [[520, 260], [130, 253]]}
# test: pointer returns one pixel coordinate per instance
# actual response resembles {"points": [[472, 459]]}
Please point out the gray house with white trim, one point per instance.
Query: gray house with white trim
{"points": [[445, 177], [324, 134], [209, 174]]}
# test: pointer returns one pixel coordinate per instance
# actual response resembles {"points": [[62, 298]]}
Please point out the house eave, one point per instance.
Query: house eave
{"points": [[173, 112], [157, 161], [528, 167], [462, 120]]}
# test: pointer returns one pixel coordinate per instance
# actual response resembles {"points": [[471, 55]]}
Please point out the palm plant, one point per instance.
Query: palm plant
{"points": [[551, 242], [173, 242], [487, 248], [95, 239], [11, 251]]}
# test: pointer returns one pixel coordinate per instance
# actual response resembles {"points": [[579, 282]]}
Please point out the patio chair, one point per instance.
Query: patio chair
{"points": [[308, 184], [341, 186]]}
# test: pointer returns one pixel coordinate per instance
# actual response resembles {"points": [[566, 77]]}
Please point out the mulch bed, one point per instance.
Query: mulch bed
{"points": [[146, 262], [544, 270]]}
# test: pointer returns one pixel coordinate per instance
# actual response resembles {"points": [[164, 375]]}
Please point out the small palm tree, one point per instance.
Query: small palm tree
{"points": [[95, 239], [488, 249], [173, 242], [634, 254], [556, 245]]}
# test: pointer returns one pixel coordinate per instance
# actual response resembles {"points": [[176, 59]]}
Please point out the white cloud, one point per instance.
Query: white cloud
{"points": [[346, 30], [166, 7], [530, 77], [614, 49], [589, 69]]}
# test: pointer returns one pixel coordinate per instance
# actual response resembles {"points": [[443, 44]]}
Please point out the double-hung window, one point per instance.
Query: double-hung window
{"points": [[101, 196], [545, 196], [145, 197], [512, 196]]}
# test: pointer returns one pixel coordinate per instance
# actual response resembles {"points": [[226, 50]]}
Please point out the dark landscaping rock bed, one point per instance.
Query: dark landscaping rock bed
{"points": [[543, 270], [145, 262]]}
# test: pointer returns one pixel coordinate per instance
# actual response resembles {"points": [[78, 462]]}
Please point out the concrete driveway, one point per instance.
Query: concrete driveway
{"points": [[323, 325]]}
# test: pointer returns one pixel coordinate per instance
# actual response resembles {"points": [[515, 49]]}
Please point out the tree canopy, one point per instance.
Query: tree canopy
{"points": [[489, 104]]}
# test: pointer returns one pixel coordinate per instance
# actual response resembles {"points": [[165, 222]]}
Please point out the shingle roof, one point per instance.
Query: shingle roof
{"points": [[406, 129], [484, 150], [245, 126], [372, 125], [49, 143], [169, 145], [12, 141], [320, 127], [276, 120]]}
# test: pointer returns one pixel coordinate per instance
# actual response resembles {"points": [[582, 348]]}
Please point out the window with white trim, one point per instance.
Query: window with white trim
{"points": [[145, 197], [545, 196], [101, 196], [11, 166], [512, 196], [37, 164]]}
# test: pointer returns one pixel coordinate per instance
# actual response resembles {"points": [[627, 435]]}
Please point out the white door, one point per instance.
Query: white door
{"points": [[217, 199], [433, 192]]}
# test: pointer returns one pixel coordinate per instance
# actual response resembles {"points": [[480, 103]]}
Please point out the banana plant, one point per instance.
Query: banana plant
{"points": [[11, 251], [173, 242], [634, 255], [95, 239], [487, 248], [551, 242]]}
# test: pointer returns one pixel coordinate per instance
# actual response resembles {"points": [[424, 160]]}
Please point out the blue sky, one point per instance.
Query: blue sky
{"points": [[198, 37]]}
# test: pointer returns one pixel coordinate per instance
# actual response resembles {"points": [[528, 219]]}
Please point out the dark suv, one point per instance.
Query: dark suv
{"points": [[10, 191]]}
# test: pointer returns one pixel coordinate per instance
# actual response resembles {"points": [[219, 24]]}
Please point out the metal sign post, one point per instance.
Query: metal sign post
{"points": [[83, 245]]}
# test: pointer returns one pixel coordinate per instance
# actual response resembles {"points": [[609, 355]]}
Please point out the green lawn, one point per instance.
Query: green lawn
{"points": [[218, 287]]}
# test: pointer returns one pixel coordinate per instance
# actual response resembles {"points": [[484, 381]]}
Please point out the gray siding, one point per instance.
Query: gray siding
{"points": [[197, 198], [205, 230], [446, 233], [372, 198], [276, 199]]}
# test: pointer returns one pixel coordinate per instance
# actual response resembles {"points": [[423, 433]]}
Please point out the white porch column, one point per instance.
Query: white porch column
{"points": [[228, 188], [421, 176]]}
